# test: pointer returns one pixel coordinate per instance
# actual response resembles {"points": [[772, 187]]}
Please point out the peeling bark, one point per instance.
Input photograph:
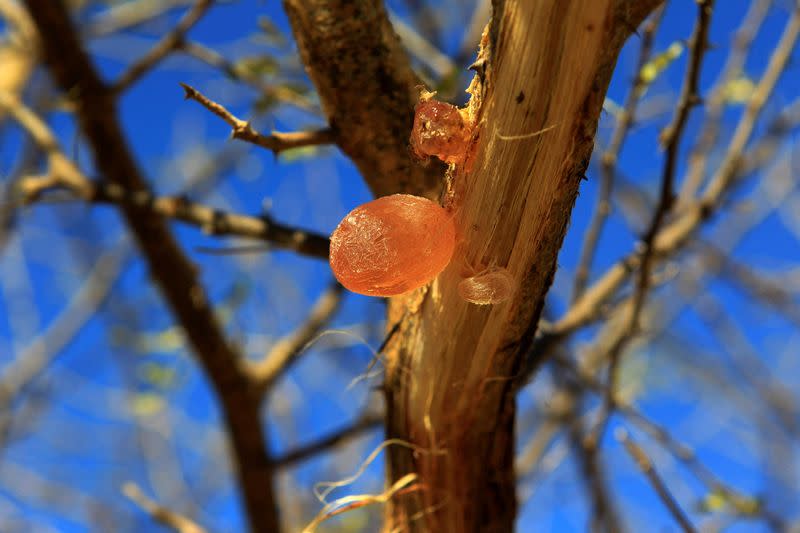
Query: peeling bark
{"points": [[451, 364], [451, 367]]}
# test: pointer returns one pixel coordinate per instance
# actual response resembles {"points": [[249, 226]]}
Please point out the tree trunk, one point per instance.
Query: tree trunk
{"points": [[451, 364], [449, 382]]}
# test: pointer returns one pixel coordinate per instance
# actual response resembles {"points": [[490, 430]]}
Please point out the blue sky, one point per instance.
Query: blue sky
{"points": [[87, 437]]}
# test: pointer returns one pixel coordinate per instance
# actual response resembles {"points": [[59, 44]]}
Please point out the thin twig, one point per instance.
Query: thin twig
{"points": [[770, 292], [646, 466], [287, 350], [677, 233], [743, 39], [276, 142], [763, 153], [422, 49], [174, 275], [689, 98], [277, 92], [36, 357], [211, 220], [62, 171], [680, 451], [159, 513], [605, 517], [608, 161], [326, 443], [671, 136], [168, 44], [745, 357], [63, 174], [128, 15]]}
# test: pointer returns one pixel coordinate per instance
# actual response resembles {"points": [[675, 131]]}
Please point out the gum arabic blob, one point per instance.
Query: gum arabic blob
{"points": [[492, 286], [439, 130], [392, 245]]}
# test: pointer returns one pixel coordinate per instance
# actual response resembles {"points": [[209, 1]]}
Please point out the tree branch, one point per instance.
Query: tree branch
{"points": [[278, 92], [715, 103], [63, 174], [675, 234], [326, 443], [172, 272], [159, 513], [671, 137], [455, 391], [277, 141], [608, 161], [211, 220], [366, 87], [35, 358], [119, 17], [168, 44], [646, 466], [286, 351]]}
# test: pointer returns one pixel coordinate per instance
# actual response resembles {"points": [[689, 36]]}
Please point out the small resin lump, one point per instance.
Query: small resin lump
{"points": [[439, 130], [392, 245], [492, 286]]}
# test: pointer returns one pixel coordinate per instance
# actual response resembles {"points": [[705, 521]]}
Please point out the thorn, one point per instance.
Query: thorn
{"points": [[188, 91]]}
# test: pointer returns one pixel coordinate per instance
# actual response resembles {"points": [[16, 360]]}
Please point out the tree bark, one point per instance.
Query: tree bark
{"points": [[451, 368], [451, 364], [367, 89], [172, 272]]}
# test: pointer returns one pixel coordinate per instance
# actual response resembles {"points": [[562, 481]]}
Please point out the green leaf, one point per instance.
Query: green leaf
{"points": [[147, 404], [256, 66], [302, 152], [738, 90], [157, 375], [653, 68], [720, 501]]}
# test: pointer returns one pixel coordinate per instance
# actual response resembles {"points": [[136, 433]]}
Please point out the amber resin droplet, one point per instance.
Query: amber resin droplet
{"points": [[439, 130], [492, 286], [392, 245]]}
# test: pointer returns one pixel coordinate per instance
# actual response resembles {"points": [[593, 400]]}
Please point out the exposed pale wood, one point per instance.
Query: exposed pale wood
{"points": [[450, 368]]}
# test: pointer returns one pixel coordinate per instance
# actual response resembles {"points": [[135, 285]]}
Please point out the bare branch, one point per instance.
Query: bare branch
{"points": [[64, 174], [426, 52], [211, 220], [159, 513], [62, 171], [35, 358], [328, 442], [608, 161], [286, 351], [671, 137], [219, 62], [761, 154], [677, 233], [128, 15], [605, 516], [646, 466], [683, 453], [366, 87], [769, 291], [168, 44], [172, 272], [277, 142], [715, 104]]}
